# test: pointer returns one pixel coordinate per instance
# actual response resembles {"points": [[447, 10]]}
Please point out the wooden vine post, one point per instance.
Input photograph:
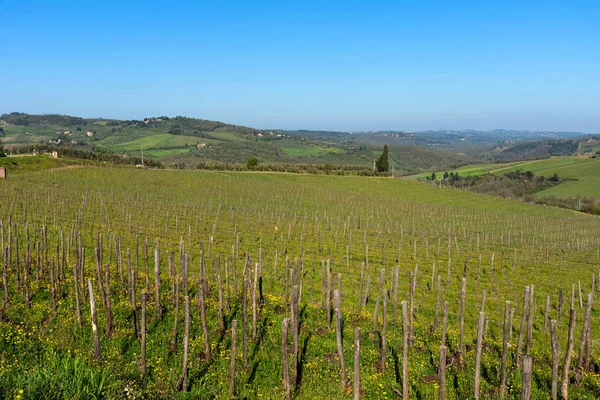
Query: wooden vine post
{"points": [[404, 350], [567, 363], [143, 333], [356, 389], [232, 356], [339, 336], [555, 358], [95, 338], [478, 354], [285, 358]]}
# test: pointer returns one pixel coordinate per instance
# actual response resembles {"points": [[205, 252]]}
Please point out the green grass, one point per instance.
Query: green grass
{"points": [[163, 153], [585, 170], [310, 151], [569, 167], [278, 219], [15, 135], [586, 188], [24, 164], [469, 170], [157, 142], [591, 149], [226, 136]]}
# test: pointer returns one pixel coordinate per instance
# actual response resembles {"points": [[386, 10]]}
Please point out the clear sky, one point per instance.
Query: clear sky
{"points": [[348, 65]]}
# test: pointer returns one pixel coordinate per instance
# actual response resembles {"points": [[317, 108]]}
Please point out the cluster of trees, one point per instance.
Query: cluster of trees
{"points": [[448, 178], [525, 176], [513, 185]]}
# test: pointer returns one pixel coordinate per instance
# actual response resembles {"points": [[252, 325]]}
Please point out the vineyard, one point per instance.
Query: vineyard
{"points": [[130, 283]]}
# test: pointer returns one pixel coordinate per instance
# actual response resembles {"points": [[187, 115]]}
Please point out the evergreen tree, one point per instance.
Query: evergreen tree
{"points": [[382, 164], [2, 153]]}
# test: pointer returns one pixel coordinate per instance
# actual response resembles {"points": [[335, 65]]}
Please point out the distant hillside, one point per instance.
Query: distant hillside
{"points": [[185, 142], [410, 159], [466, 141], [22, 119], [539, 149]]}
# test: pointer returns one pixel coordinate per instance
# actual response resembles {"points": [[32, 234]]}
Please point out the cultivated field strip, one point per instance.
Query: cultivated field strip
{"points": [[178, 264]]}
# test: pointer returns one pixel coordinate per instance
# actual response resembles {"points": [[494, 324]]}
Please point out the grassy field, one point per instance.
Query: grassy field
{"points": [[24, 164], [161, 141], [310, 151], [585, 171], [470, 170], [272, 224]]}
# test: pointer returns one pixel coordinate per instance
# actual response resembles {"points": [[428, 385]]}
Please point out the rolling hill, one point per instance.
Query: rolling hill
{"points": [[185, 142]]}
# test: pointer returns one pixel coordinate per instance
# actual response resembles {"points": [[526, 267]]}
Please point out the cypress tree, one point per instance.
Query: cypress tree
{"points": [[382, 162]]}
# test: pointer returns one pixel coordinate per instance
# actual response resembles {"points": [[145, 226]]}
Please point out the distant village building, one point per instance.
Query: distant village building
{"points": [[150, 120], [54, 154], [2, 173], [90, 133], [201, 145]]}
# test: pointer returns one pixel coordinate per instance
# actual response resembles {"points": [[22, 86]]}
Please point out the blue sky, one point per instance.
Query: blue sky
{"points": [[351, 65]]}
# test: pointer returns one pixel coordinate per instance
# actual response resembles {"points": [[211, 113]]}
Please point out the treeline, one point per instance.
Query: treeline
{"points": [[22, 119], [512, 185], [87, 154], [332, 169]]}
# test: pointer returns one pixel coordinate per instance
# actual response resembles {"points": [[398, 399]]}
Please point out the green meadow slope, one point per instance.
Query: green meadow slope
{"points": [[582, 173], [585, 173]]}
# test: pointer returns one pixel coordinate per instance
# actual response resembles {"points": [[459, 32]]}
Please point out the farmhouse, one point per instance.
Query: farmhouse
{"points": [[2, 173], [89, 133], [201, 145]]}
